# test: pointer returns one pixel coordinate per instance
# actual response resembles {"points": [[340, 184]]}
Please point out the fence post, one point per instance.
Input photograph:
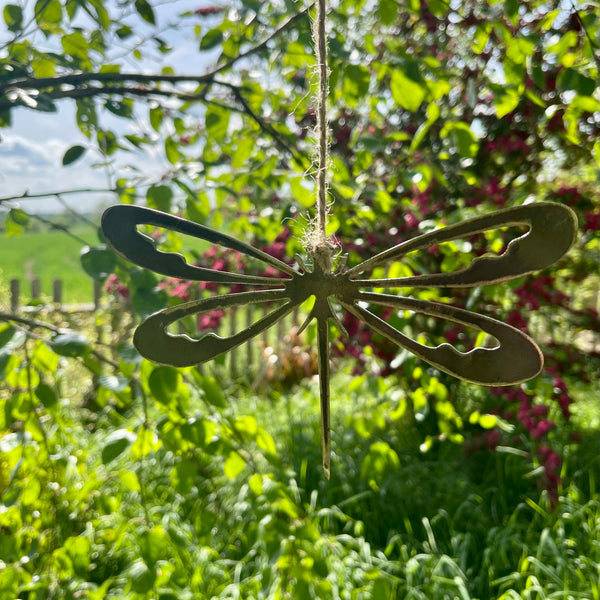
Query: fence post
{"points": [[97, 294], [57, 291], [14, 295], [36, 288]]}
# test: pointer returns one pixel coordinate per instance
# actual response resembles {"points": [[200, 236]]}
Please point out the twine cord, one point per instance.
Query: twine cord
{"points": [[321, 48], [319, 245]]}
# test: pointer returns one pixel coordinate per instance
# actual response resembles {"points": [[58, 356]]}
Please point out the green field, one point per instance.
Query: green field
{"points": [[48, 256]]}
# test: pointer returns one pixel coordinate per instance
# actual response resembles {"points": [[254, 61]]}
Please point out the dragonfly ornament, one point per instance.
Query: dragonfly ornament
{"points": [[551, 230]]}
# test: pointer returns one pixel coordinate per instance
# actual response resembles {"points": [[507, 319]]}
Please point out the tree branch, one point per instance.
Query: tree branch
{"points": [[264, 43], [35, 324], [270, 130], [77, 79], [27, 196]]}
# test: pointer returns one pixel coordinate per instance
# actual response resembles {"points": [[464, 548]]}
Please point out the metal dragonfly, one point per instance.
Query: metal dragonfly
{"points": [[551, 230]]}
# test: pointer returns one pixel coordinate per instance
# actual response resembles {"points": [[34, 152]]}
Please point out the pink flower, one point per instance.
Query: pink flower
{"points": [[411, 220], [539, 410]]}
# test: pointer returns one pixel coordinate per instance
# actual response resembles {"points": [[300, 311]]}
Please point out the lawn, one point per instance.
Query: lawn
{"points": [[47, 255]]}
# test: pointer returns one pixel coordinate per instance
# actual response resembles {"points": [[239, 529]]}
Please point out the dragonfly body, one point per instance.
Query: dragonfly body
{"points": [[551, 229]]}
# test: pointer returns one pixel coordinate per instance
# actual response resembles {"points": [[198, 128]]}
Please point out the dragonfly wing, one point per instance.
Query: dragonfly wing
{"points": [[516, 358], [156, 344], [119, 225], [552, 230]]}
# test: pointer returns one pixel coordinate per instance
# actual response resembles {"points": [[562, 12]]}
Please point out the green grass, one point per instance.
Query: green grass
{"points": [[48, 256]]}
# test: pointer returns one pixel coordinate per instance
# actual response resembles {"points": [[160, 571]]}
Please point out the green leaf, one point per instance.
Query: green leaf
{"points": [[407, 92], [172, 151], [70, 344], [153, 545], [213, 392], [45, 104], [72, 154], [145, 10], [488, 421], [198, 431], [163, 383], [46, 395], [18, 216], [433, 113], [387, 11], [461, 137], [381, 461], [265, 441], [140, 577], [300, 193], [113, 383], [246, 426], [121, 108], [506, 100], [356, 83], [482, 35], [382, 589], [147, 301], [75, 45], [98, 262], [47, 12], [7, 334], [244, 149], [581, 104], [217, 122], [211, 39], [86, 116], [159, 197], [42, 67], [570, 79], [130, 481], [13, 17], [234, 465], [78, 549], [124, 32], [511, 8], [156, 117], [116, 443], [107, 141]]}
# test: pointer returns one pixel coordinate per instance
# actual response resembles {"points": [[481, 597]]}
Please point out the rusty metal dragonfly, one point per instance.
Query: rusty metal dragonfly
{"points": [[551, 230]]}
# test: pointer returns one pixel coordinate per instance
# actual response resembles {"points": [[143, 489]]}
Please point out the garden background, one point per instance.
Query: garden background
{"points": [[120, 478]]}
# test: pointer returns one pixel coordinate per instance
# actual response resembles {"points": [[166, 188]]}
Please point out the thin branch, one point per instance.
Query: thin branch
{"points": [[59, 227], [91, 91], [75, 213], [270, 130], [264, 43], [593, 45], [27, 196], [34, 324], [76, 79]]}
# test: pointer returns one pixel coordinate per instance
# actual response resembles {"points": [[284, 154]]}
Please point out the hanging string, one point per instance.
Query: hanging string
{"points": [[321, 49], [320, 247]]}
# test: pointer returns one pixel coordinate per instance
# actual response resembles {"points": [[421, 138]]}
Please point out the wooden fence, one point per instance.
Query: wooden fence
{"points": [[34, 304], [258, 359]]}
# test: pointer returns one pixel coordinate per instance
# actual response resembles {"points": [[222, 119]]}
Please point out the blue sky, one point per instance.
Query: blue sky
{"points": [[31, 150]]}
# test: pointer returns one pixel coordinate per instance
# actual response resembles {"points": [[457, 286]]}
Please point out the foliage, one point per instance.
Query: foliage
{"points": [[123, 479]]}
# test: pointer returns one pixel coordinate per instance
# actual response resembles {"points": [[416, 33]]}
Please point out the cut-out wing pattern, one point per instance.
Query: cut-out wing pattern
{"points": [[551, 230]]}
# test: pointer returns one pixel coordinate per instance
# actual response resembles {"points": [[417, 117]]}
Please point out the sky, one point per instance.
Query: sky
{"points": [[31, 150]]}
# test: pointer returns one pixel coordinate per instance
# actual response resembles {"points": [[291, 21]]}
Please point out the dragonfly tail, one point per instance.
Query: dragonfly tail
{"points": [[323, 335]]}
